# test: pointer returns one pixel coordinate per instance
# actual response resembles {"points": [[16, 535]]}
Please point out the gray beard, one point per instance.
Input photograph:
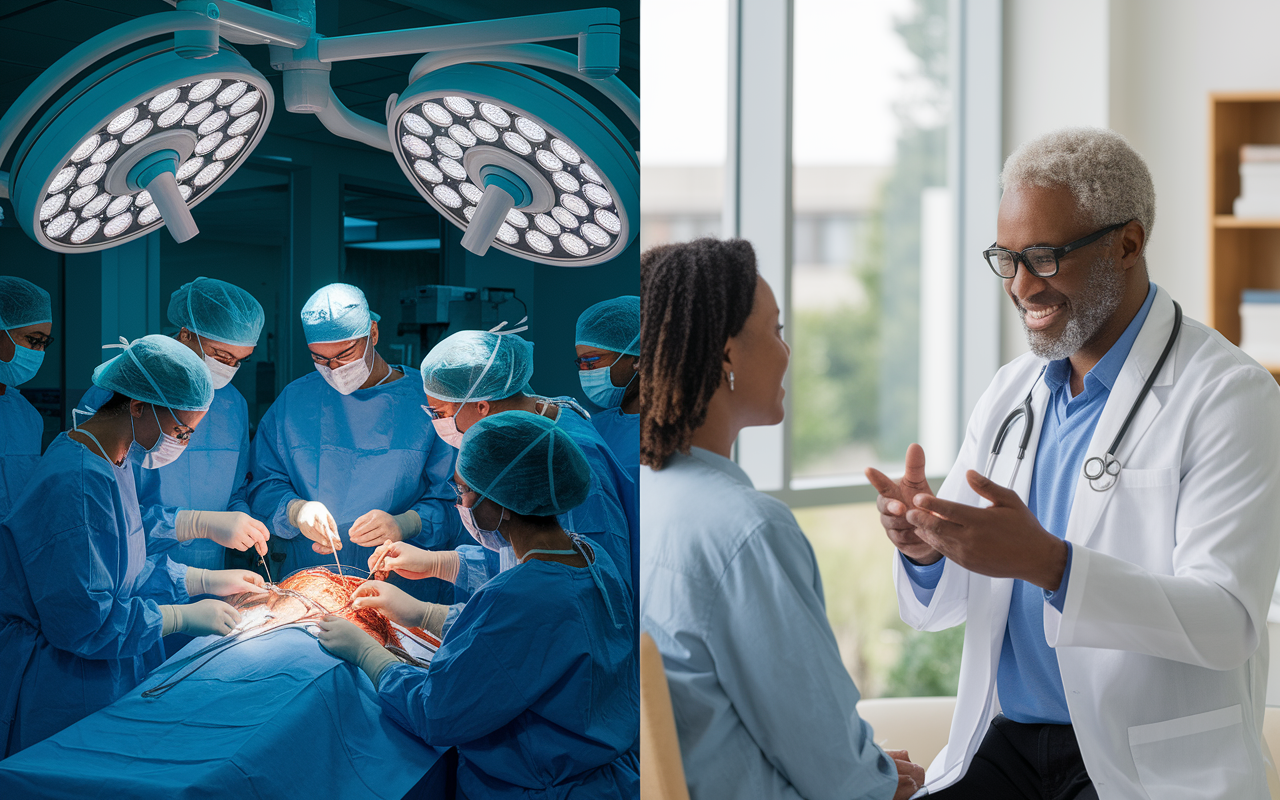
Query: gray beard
{"points": [[1090, 311]]}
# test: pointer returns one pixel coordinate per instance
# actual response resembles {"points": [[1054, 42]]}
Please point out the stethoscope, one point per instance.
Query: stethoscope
{"points": [[1102, 472]]}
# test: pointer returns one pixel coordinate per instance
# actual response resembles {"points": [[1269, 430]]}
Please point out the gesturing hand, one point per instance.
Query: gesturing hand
{"points": [[910, 775], [896, 499]]}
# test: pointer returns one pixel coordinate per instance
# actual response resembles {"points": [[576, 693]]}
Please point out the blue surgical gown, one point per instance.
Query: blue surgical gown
{"points": [[20, 429], [371, 449], [622, 433], [534, 685], [209, 476], [80, 598]]}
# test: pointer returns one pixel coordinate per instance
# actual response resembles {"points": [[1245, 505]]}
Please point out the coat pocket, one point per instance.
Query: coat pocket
{"points": [[1200, 756]]}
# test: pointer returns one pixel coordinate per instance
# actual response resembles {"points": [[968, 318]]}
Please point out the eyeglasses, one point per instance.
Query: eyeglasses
{"points": [[459, 489], [180, 431], [39, 341], [1043, 262], [589, 362], [436, 414], [338, 359]]}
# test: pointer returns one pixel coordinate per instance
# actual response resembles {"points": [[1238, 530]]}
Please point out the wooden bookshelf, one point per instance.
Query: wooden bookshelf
{"points": [[1243, 253]]}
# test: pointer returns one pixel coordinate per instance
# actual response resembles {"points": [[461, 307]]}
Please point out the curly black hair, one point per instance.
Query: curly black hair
{"points": [[694, 298]]}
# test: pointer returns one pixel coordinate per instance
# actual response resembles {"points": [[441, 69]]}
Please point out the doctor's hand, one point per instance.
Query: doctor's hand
{"points": [[1002, 541], [316, 523], [232, 529], [226, 582], [396, 604], [379, 526], [910, 775], [894, 502], [415, 563]]}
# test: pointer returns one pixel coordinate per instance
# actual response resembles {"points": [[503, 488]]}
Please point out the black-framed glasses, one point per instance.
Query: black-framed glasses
{"points": [[1042, 261], [329, 362]]}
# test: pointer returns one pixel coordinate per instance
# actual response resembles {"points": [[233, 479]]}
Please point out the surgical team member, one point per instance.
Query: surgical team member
{"points": [[195, 508], [537, 683], [1117, 592], [343, 458], [82, 605], [26, 318], [764, 707], [608, 346], [472, 375]]}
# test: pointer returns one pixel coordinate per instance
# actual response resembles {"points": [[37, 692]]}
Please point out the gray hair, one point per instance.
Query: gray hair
{"points": [[1108, 179]]}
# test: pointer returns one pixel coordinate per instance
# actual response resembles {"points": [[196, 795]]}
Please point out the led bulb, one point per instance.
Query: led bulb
{"points": [[471, 192], [209, 143], [185, 191], [568, 183], [547, 224], [538, 241], [415, 146], [232, 93], [86, 148], [453, 169], [436, 113], [118, 225], [530, 129], [594, 234], [590, 174], [243, 124], [448, 146], [496, 115], [230, 148], [462, 136], [565, 152], [460, 106], [136, 131], [608, 221], [119, 205], [83, 195], [575, 204], [573, 245], [142, 199], [564, 217], [206, 176], [189, 167], [245, 103], [63, 179], [162, 101], [204, 90], [52, 206], [517, 218], [548, 161], [484, 130], [428, 171], [122, 121], [95, 206], [91, 174], [60, 225], [447, 196], [517, 143], [149, 215], [597, 195], [85, 231], [469, 212], [211, 124], [507, 234], [198, 114], [416, 124], [104, 153], [171, 116]]}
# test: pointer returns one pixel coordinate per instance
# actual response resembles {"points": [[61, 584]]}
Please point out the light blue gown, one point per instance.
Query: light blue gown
{"points": [[730, 592], [80, 598], [372, 449], [20, 429], [622, 433], [534, 685], [209, 476]]}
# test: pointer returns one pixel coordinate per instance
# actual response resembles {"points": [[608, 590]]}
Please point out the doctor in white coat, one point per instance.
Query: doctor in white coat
{"points": [[1116, 628]]}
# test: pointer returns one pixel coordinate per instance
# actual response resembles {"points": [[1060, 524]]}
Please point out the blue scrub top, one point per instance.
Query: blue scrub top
{"points": [[20, 429], [372, 449], [80, 598], [210, 475], [534, 685], [622, 433]]}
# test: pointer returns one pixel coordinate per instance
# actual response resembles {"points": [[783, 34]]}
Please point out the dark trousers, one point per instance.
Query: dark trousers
{"points": [[1017, 761]]}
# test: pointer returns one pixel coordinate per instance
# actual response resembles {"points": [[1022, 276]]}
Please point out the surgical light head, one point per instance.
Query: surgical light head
{"points": [[470, 366], [524, 462], [338, 312], [611, 325], [217, 310], [159, 370], [22, 303]]}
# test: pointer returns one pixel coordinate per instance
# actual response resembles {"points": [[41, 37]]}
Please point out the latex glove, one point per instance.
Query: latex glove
{"points": [[316, 523], [415, 563], [233, 529], [379, 526], [224, 582], [347, 641], [399, 607], [201, 618]]}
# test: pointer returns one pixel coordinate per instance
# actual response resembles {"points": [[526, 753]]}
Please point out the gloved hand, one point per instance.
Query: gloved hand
{"points": [[201, 618], [379, 526], [223, 582], [399, 607], [347, 641], [234, 529], [316, 523], [415, 563]]}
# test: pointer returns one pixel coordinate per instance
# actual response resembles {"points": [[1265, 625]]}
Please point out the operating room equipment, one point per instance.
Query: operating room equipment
{"points": [[119, 138]]}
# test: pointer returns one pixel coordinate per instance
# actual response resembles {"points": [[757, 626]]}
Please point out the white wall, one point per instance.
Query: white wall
{"points": [[1144, 68]]}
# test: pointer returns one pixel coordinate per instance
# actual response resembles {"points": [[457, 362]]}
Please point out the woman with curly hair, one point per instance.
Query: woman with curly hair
{"points": [[730, 592]]}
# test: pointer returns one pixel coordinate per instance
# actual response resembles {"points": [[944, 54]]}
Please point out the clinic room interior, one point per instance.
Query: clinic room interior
{"points": [[378, 419]]}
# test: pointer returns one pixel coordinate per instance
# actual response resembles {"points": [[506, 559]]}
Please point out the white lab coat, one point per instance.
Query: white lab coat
{"points": [[1172, 573]]}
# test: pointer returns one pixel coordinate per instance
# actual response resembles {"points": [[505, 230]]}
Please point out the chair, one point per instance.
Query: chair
{"points": [[919, 725], [661, 771]]}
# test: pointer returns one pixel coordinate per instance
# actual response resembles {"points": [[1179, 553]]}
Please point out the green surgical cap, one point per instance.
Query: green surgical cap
{"points": [[612, 325], [338, 312], [470, 366], [217, 310], [22, 303], [160, 370], [524, 462]]}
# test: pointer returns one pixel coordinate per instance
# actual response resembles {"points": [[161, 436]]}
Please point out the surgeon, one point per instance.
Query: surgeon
{"points": [[537, 682], [82, 606], [27, 320], [195, 509], [475, 374], [342, 461], [608, 346]]}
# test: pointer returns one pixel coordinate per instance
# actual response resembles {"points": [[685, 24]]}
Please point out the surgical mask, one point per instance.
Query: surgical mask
{"points": [[600, 389], [165, 451], [447, 429], [349, 377], [491, 540], [220, 373], [22, 367]]}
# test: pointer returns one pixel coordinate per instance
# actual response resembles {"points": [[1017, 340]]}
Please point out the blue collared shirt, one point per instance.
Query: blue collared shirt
{"points": [[1028, 676]]}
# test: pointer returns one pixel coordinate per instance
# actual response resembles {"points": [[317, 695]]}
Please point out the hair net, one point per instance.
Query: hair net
{"points": [[524, 462], [217, 310], [337, 313], [158, 369], [22, 303], [612, 325], [477, 365]]}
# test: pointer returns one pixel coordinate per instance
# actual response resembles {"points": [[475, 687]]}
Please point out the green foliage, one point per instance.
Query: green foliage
{"points": [[929, 665]]}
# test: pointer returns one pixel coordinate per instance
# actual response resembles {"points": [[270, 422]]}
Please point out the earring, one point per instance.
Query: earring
{"points": [[731, 380]]}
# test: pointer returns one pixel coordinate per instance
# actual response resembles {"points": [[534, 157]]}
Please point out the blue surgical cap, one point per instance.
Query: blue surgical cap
{"points": [[524, 462], [217, 310], [470, 366], [612, 325], [22, 303], [160, 370], [337, 313]]}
